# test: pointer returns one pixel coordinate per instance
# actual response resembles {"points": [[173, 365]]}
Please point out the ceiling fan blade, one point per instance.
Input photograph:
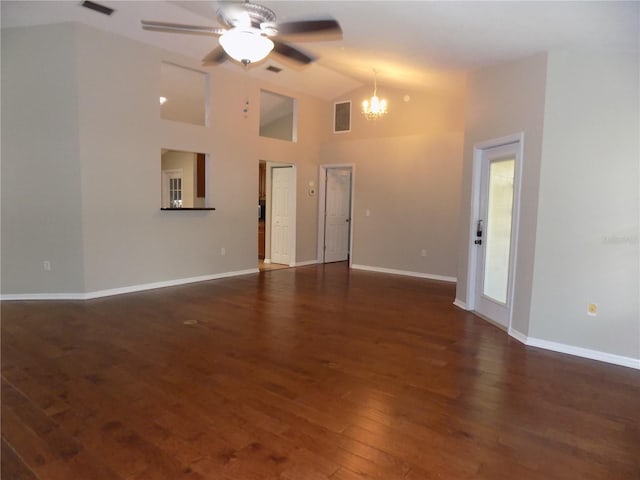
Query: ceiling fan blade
{"points": [[291, 53], [215, 56], [180, 28], [328, 26]]}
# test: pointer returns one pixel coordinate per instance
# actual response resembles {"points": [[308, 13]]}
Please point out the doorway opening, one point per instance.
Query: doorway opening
{"points": [[335, 203]]}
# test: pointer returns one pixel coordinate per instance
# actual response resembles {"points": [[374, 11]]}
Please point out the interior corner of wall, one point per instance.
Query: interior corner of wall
{"points": [[461, 304], [518, 335]]}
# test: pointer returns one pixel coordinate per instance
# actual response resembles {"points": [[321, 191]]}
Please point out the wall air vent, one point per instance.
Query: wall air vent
{"points": [[97, 7], [274, 69]]}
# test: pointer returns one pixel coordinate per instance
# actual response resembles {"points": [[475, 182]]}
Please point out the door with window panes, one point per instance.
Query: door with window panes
{"points": [[172, 188]]}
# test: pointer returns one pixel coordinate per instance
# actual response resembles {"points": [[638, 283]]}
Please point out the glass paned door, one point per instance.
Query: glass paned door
{"points": [[172, 188], [498, 229], [494, 242], [175, 192]]}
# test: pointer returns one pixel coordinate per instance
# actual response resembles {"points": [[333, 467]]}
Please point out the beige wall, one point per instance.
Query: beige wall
{"points": [[126, 240], [407, 176], [100, 125], [578, 237], [41, 196], [281, 128], [587, 248], [503, 100]]}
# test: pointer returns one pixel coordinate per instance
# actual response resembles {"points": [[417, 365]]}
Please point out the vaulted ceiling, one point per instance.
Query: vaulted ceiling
{"points": [[413, 45]]}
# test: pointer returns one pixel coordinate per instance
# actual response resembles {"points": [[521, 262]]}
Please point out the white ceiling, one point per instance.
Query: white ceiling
{"points": [[413, 45]]}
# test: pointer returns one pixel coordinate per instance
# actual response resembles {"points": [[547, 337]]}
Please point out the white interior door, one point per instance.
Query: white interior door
{"points": [[172, 188], [495, 233], [337, 214], [281, 215]]}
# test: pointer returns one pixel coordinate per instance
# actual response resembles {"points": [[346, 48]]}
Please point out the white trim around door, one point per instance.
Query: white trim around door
{"points": [[288, 203], [474, 300], [322, 199]]}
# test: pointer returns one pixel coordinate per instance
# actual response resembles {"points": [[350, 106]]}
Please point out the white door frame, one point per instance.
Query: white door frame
{"points": [[322, 184], [472, 265], [267, 218]]}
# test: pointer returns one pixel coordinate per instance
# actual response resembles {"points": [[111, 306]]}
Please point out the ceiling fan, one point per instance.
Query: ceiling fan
{"points": [[251, 33]]}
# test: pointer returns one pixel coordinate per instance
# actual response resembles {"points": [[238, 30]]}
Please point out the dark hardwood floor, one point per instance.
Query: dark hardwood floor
{"points": [[301, 374]]}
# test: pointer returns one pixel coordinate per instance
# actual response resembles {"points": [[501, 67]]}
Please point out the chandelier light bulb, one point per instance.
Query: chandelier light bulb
{"points": [[375, 106]]}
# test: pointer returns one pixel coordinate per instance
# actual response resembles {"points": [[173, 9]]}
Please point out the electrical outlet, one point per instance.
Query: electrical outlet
{"points": [[592, 309], [223, 251], [46, 265]]}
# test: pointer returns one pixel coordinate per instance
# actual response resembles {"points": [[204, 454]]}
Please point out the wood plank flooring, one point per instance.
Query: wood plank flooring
{"points": [[308, 373], [265, 267]]}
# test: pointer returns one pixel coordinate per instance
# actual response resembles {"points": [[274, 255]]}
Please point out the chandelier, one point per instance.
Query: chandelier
{"points": [[374, 107]]}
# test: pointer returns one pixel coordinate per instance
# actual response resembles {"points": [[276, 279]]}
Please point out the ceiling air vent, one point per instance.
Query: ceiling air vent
{"points": [[97, 7], [274, 69]]}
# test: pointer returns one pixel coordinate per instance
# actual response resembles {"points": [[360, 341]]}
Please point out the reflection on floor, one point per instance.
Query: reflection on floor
{"points": [[265, 267]]}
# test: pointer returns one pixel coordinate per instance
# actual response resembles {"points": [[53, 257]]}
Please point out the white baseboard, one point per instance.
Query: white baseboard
{"points": [[404, 272], [306, 262], [577, 351], [43, 296], [121, 290], [460, 304], [521, 337]]}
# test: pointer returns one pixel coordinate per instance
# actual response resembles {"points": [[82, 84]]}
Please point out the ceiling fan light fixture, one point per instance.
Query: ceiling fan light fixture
{"points": [[249, 33], [246, 45], [374, 107]]}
